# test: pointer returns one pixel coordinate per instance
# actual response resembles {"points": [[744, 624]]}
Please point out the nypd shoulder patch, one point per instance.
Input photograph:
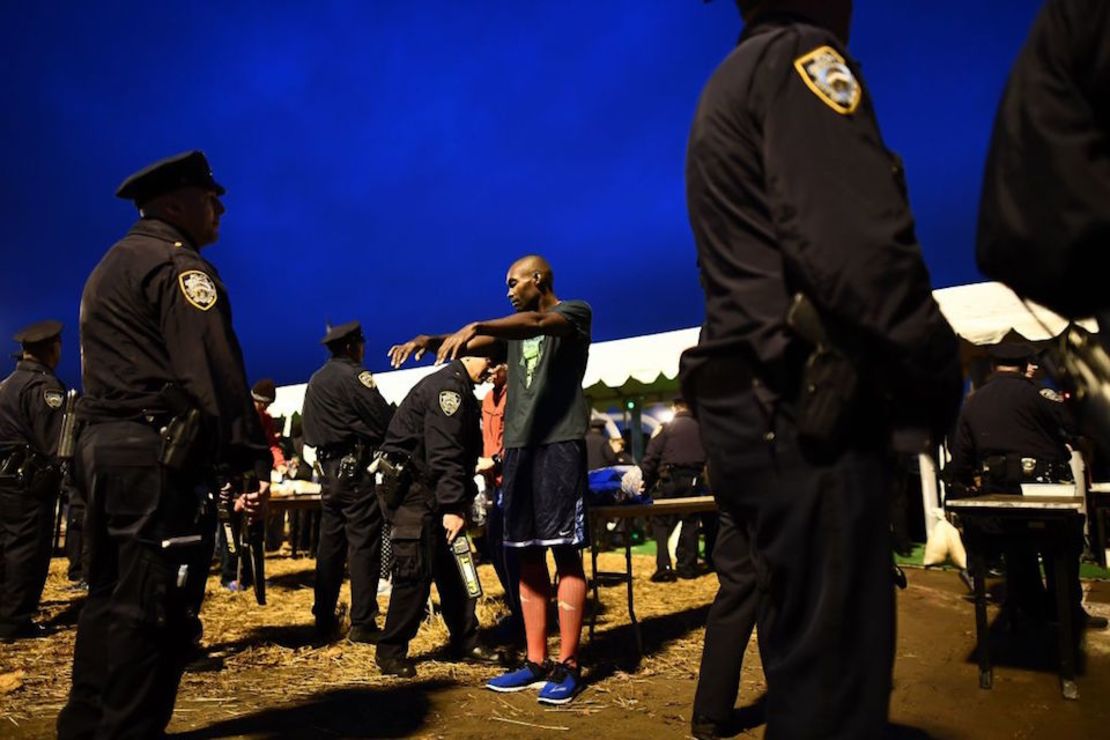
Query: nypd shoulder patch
{"points": [[1051, 395], [449, 401], [827, 75], [367, 379], [54, 399], [198, 289]]}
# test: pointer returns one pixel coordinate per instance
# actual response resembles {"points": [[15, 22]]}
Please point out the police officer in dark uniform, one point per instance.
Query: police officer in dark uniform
{"points": [[1043, 218], [790, 191], [436, 433], [166, 407], [1013, 431], [345, 418], [31, 401], [675, 459]]}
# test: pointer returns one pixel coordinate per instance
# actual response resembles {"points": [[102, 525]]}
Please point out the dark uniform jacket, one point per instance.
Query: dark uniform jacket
{"points": [[153, 312], [791, 188], [31, 401], [439, 425], [677, 446], [599, 453], [1010, 414], [1044, 218], [342, 406]]}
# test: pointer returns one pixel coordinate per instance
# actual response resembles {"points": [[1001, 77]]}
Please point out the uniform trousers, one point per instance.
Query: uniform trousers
{"points": [[351, 535], [136, 628], [421, 555], [75, 524], [818, 569], [26, 531], [679, 485]]}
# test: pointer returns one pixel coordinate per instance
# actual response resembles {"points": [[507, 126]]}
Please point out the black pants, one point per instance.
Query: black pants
{"points": [[421, 555], [26, 536], [137, 626], [731, 620], [680, 485], [75, 525], [350, 534], [820, 567]]}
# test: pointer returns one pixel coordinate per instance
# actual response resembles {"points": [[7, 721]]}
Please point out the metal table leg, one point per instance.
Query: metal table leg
{"points": [[982, 636], [1064, 616], [631, 607], [593, 575]]}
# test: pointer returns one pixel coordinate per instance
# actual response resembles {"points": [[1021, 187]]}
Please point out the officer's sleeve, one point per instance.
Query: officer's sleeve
{"points": [[206, 359], [444, 444], [841, 213], [1044, 215], [963, 453], [372, 408], [649, 465], [43, 406]]}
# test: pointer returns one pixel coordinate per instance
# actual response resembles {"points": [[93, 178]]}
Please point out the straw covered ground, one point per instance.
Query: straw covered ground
{"points": [[276, 683]]}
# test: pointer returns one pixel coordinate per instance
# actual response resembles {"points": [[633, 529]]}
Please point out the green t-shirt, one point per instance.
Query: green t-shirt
{"points": [[545, 402]]}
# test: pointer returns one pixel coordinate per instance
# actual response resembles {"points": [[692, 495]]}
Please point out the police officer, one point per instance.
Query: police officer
{"points": [[1043, 218], [437, 432], [675, 459], [166, 405], [31, 401], [1012, 431], [345, 418], [791, 190]]}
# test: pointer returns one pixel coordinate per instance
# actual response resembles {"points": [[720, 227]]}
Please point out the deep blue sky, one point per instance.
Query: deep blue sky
{"points": [[387, 160]]}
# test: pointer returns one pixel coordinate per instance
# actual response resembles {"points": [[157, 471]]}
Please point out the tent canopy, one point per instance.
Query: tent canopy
{"points": [[646, 367]]}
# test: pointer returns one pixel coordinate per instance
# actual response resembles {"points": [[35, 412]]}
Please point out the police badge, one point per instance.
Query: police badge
{"points": [[449, 401], [826, 73], [198, 289], [53, 399], [366, 379]]}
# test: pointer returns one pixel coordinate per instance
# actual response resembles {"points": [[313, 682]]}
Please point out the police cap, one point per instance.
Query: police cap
{"points": [[40, 331], [342, 331], [264, 391], [1012, 353], [169, 174]]}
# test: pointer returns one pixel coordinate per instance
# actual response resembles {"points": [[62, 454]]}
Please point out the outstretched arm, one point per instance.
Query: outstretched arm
{"points": [[418, 345], [522, 325]]}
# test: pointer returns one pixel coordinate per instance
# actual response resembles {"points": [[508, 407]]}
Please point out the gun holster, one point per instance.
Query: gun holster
{"points": [[352, 464], [826, 404], [392, 478], [179, 438]]}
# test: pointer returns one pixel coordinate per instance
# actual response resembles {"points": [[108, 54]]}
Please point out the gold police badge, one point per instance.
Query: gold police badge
{"points": [[366, 379], [198, 289], [826, 73], [449, 401], [53, 399]]}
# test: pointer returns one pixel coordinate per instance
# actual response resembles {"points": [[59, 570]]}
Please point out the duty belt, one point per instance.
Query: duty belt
{"points": [[1028, 469]]}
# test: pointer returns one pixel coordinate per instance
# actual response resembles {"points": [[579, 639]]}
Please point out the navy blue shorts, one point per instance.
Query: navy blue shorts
{"points": [[545, 495]]}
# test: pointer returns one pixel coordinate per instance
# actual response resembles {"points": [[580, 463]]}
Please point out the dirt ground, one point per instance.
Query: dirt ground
{"points": [[275, 683]]}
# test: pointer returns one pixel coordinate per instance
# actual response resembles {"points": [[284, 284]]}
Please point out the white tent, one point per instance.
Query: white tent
{"points": [[984, 313], [647, 365]]}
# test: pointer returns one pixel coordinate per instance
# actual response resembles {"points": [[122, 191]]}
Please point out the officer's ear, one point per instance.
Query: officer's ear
{"points": [[537, 278]]}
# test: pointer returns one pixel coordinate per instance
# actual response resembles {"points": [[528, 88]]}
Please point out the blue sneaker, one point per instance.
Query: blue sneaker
{"points": [[528, 676], [565, 684]]}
